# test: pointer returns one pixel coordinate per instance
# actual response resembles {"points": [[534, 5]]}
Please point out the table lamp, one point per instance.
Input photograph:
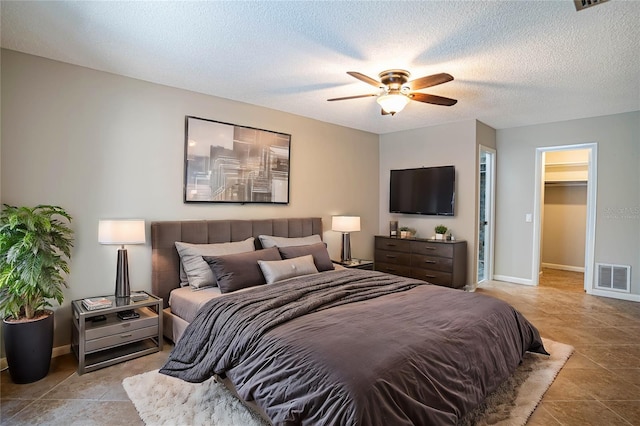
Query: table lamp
{"points": [[345, 224], [121, 232]]}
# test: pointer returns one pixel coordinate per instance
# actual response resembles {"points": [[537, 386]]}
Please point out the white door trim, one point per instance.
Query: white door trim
{"points": [[590, 239], [488, 262]]}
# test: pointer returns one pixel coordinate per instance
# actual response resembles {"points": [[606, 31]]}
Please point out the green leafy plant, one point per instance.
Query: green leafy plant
{"points": [[441, 229], [35, 248]]}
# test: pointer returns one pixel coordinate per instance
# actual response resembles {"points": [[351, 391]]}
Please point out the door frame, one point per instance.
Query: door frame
{"points": [[490, 235], [538, 203]]}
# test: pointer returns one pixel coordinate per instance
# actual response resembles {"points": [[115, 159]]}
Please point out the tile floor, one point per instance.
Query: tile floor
{"points": [[600, 385]]}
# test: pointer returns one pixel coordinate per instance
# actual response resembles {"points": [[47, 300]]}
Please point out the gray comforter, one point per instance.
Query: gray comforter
{"points": [[352, 347]]}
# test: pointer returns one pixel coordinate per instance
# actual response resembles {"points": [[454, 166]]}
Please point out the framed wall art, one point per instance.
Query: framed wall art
{"points": [[228, 163]]}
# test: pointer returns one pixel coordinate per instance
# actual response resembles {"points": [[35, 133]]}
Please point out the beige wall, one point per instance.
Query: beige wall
{"points": [[617, 234], [107, 146], [448, 144]]}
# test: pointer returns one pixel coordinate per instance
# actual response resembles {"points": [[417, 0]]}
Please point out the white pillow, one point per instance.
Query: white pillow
{"points": [[194, 271], [278, 270], [268, 241]]}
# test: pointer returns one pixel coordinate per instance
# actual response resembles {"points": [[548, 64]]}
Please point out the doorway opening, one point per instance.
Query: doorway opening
{"points": [[486, 207], [564, 209]]}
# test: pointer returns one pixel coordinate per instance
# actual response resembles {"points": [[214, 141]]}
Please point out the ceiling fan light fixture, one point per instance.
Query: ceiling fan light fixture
{"points": [[393, 103]]}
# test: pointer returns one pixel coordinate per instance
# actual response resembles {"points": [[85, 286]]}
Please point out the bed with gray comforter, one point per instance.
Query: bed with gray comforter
{"points": [[353, 347]]}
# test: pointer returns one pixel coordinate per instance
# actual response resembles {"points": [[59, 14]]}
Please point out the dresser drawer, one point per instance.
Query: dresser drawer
{"points": [[393, 244], [388, 268], [393, 257], [121, 338], [436, 263], [433, 277], [114, 325], [432, 249]]}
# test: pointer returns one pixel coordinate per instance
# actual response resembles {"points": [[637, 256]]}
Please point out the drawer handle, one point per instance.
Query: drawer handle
{"points": [[430, 261], [126, 324], [430, 276], [391, 245], [122, 336], [391, 269], [429, 248], [390, 256]]}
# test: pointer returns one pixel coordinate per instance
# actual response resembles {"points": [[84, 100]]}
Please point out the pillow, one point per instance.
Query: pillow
{"points": [[318, 251], [278, 270], [194, 271], [236, 271], [271, 241]]}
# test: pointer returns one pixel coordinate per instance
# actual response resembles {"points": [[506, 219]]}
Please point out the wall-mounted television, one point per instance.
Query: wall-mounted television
{"points": [[426, 191]]}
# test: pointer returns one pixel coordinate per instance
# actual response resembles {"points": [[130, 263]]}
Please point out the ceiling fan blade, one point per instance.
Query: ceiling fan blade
{"points": [[368, 80], [432, 99], [351, 97], [383, 112], [429, 81]]}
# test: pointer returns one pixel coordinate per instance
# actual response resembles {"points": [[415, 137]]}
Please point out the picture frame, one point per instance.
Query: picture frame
{"points": [[230, 163]]}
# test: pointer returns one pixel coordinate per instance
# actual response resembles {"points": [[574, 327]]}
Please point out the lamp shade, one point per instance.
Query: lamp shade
{"points": [[345, 223], [121, 232], [393, 103]]}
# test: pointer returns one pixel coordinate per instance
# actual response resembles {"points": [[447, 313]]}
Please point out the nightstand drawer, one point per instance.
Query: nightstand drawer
{"points": [[436, 263], [393, 257], [114, 325], [121, 338], [432, 249]]}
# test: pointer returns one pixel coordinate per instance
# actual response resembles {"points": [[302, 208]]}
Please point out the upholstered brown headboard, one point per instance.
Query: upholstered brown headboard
{"points": [[165, 263]]}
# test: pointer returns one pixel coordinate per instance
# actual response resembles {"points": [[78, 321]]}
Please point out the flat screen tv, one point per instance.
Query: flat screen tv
{"points": [[426, 191]]}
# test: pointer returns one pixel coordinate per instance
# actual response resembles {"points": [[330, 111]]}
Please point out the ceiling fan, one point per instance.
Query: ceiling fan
{"points": [[396, 91]]}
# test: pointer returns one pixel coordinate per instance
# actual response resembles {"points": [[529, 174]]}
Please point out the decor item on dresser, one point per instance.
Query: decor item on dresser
{"points": [[229, 163], [303, 348], [346, 225], [35, 250], [406, 232], [437, 262], [441, 230], [121, 232]]}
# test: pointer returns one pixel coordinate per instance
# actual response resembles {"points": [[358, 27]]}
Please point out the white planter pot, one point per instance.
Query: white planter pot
{"points": [[439, 236]]}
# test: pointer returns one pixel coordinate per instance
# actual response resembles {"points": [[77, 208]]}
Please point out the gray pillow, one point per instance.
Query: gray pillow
{"points": [[278, 270], [194, 271], [237, 271], [271, 241], [318, 251]]}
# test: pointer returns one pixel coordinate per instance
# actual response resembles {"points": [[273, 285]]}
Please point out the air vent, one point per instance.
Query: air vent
{"points": [[583, 4], [613, 277]]}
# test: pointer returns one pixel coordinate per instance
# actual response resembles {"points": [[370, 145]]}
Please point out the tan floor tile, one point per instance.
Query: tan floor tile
{"points": [[584, 413], [542, 417], [628, 410]]}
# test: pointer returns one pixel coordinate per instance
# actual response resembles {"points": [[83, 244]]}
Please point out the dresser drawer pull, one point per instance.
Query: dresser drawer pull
{"points": [[430, 276], [390, 256], [429, 248], [391, 270], [430, 261], [124, 336], [391, 245]]}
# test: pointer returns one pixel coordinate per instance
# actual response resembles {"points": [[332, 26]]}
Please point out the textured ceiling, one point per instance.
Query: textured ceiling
{"points": [[515, 63]]}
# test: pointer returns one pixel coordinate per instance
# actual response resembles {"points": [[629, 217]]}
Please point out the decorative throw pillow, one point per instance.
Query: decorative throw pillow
{"points": [[271, 241], [237, 271], [318, 251], [278, 270], [194, 271]]}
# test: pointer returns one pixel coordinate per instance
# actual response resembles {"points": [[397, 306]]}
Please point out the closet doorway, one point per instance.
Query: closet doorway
{"points": [[486, 203], [564, 225]]}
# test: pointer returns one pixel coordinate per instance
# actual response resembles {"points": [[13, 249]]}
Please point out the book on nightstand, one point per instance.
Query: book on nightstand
{"points": [[96, 303], [137, 296]]}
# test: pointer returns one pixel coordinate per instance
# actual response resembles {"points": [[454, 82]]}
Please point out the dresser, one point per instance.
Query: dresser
{"points": [[438, 262]]}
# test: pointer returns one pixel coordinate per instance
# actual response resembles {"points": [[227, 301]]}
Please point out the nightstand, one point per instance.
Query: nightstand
{"points": [[356, 264], [101, 343]]}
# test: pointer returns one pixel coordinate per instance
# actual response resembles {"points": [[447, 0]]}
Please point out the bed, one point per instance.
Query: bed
{"points": [[340, 346]]}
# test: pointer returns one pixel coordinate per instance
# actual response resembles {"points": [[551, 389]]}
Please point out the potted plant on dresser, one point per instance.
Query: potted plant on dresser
{"points": [[35, 247], [440, 231]]}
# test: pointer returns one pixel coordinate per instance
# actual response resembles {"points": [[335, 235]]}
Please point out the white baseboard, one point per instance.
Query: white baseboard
{"points": [[616, 295], [564, 267], [513, 280], [57, 351]]}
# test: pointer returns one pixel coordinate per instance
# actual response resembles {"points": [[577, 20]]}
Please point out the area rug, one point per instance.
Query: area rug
{"points": [[164, 400]]}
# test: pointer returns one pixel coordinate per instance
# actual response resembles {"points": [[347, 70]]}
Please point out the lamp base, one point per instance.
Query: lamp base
{"points": [[122, 274], [345, 253]]}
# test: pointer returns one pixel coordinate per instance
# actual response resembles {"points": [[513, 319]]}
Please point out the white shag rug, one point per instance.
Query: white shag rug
{"points": [[164, 400]]}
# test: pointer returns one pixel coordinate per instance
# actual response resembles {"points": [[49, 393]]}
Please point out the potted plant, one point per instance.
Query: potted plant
{"points": [[440, 231], [35, 247], [406, 232]]}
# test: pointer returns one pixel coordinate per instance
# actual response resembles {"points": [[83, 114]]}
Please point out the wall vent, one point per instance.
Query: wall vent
{"points": [[583, 4], [613, 277]]}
